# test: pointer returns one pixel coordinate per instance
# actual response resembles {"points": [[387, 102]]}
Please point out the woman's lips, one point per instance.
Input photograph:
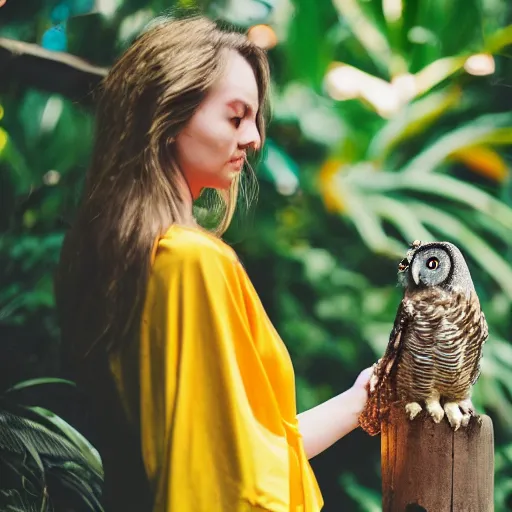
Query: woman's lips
{"points": [[237, 162]]}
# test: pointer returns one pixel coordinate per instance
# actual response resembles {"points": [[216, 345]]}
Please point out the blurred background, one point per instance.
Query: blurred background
{"points": [[392, 121]]}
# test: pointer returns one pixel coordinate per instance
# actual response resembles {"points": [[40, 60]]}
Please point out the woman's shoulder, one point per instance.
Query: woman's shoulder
{"points": [[184, 243]]}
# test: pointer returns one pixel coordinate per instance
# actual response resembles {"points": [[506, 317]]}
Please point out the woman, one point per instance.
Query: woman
{"points": [[192, 386]]}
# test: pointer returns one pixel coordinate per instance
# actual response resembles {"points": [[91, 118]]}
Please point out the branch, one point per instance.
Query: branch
{"points": [[56, 72]]}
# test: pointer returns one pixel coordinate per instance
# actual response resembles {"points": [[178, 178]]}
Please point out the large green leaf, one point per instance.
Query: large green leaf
{"points": [[308, 51], [412, 120], [498, 40], [436, 72], [468, 20], [368, 224], [33, 450], [367, 33], [487, 129], [38, 382], [401, 216], [436, 185], [88, 451]]}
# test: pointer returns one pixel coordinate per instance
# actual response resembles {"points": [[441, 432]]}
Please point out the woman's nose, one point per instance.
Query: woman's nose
{"points": [[250, 137]]}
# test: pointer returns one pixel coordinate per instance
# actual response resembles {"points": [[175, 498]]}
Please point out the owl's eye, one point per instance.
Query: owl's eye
{"points": [[432, 263]]}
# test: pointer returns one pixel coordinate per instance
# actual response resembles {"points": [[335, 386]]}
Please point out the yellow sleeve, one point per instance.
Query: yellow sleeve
{"points": [[212, 435]]}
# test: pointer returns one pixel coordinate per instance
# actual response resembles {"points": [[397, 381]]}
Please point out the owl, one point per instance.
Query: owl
{"points": [[433, 356]]}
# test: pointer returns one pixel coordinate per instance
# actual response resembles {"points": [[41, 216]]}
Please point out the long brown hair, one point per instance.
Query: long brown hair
{"points": [[131, 194]]}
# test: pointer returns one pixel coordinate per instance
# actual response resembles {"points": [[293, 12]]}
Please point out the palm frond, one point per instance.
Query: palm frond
{"points": [[47, 464]]}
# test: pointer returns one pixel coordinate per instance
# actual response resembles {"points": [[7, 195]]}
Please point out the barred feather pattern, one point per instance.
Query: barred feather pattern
{"points": [[436, 345], [381, 388]]}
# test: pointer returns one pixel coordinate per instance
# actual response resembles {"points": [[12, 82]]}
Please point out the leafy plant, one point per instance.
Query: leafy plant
{"points": [[380, 135], [46, 465]]}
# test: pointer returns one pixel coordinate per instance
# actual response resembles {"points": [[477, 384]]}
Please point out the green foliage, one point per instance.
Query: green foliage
{"points": [[379, 136], [46, 464]]}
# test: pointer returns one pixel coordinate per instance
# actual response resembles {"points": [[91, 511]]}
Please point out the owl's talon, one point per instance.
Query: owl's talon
{"points": [[434, 409], [468, 410], [453, 414], [465, 419], [413, 409], [467, 407]]}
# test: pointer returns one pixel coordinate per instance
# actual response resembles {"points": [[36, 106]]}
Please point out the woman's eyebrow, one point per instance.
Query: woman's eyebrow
{"points": [[238, 102]]}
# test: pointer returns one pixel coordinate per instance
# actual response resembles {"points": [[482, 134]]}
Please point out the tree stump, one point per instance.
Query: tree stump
{"points": [[427, 467]]}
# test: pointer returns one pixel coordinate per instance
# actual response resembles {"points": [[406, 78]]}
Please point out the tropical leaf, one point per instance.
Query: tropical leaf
{"points": [[86, 449], [437, 185], [413, 120], [436, 72], [369, 226], [47, 461], [367, 33], [484, 161], [487, 129], [38, 382], [401, 216], [500, 39], [309, 51]]}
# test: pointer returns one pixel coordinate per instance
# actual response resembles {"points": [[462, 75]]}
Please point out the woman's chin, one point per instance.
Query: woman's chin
{"points": [[227, 179]]}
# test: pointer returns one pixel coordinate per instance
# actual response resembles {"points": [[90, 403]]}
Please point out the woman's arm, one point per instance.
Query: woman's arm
{"points": [[326, 423]]}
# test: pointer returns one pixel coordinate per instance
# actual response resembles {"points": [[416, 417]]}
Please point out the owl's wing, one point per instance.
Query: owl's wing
{"points": [[381, 388], [480, 337]]}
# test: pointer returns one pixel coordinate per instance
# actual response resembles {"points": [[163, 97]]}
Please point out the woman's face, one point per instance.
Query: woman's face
{"points": [[211, 149]]}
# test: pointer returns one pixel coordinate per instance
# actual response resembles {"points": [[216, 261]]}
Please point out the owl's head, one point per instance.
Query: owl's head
{"points": [[434, 264]]}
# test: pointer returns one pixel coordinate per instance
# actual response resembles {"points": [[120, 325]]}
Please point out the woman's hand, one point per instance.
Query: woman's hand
{"points": [[359, 389], [363, 378], [323, 425]]}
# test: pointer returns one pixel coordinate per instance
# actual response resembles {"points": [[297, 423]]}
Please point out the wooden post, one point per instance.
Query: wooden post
{"points": [[427, 467]]}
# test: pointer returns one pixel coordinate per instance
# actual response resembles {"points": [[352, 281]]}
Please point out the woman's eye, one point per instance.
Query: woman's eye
{"points": [[236, 121]]}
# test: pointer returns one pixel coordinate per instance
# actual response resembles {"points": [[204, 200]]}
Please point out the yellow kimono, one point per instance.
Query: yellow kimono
{"points": [[217, 392]]}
